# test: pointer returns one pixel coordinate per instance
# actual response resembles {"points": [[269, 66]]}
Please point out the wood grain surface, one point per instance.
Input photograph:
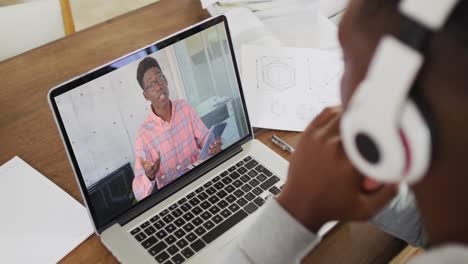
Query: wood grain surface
{"points": [[27, 128]]}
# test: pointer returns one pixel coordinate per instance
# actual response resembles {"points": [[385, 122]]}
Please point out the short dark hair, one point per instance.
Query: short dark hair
{"points": [[144, 65]]}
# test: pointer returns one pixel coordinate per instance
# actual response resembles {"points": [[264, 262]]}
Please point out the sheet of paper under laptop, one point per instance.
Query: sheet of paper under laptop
{"points": [[40, 222]]}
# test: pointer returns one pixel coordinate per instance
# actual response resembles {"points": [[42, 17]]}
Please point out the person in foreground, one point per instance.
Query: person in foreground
{"points": [[323, 184], [171, 137]]}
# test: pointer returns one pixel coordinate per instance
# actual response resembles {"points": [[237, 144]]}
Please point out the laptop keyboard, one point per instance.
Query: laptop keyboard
{"points": [[187, 226]]}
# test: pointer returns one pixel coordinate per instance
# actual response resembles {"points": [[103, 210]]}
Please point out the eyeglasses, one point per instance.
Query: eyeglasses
{"points": [[160, 81]]}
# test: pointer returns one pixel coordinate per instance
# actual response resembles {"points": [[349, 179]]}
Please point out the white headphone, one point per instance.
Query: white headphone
{"points": [[384, 133]]}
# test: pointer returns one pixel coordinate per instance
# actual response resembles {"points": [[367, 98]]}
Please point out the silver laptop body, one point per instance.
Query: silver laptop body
{"points": [[98, 115]]}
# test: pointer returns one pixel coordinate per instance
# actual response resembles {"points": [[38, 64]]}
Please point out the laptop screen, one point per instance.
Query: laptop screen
{"points": [[136, 126]]}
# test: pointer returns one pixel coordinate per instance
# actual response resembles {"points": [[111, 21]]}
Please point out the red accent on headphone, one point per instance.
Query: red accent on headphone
{"points": [[408, 159]]}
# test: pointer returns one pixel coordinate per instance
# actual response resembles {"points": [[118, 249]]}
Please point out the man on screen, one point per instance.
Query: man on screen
{"points": [[168, 142]]}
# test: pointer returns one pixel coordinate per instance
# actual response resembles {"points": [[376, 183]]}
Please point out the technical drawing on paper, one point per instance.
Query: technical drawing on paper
{"points": [[278, 108], [323, 72], [276, 74], [288, 87], [306, 112]]}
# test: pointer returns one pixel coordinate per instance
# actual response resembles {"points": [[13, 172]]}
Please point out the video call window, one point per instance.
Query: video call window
{"points": [[156, 116]]}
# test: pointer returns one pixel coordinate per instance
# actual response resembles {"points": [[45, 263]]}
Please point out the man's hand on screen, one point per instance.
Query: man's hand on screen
{"points": [[215, 147], [151, 168]]}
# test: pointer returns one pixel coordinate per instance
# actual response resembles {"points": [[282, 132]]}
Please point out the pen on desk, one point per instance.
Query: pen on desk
{"points": [[279, 142]]}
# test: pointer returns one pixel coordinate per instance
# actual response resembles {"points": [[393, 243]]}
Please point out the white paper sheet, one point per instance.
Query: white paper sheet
{"points": [[332, 7], [246, 28], [306, 28], [207, 3], [242, 1], [40, 223], [276, 8], [285, 88]]}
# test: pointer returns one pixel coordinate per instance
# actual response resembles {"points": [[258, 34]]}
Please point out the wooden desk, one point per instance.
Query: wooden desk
{"points": [[27, 128]]}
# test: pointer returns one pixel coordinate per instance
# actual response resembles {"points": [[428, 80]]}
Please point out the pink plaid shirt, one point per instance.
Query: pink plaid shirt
{"points": [[178, 142]]}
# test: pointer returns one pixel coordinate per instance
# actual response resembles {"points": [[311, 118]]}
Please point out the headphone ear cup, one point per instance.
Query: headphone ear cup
{"points": [[383, 132], [386, 151], [416, 136], [373, 144]]}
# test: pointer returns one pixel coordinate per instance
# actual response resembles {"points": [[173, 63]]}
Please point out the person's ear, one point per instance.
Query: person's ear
{"points": [[146, 96], [369, 185]]}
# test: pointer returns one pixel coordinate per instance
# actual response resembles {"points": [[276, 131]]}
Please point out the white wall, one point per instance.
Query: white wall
{"points": [[102, 117], [24, 26]]}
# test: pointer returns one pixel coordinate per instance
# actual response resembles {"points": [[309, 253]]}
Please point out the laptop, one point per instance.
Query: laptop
{"points": [[150, 199]]}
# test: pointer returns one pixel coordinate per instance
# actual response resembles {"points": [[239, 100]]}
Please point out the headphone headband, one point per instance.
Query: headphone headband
{"points": [[431, 14]]}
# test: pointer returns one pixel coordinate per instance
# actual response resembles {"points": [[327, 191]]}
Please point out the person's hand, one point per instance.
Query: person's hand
{"points": [[323, 185], [151, 168], [215, 147]]}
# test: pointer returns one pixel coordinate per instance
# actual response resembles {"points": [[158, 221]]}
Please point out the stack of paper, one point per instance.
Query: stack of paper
{"points": [[275, 7], [291, 63], [40, 222], [246, 28]]}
